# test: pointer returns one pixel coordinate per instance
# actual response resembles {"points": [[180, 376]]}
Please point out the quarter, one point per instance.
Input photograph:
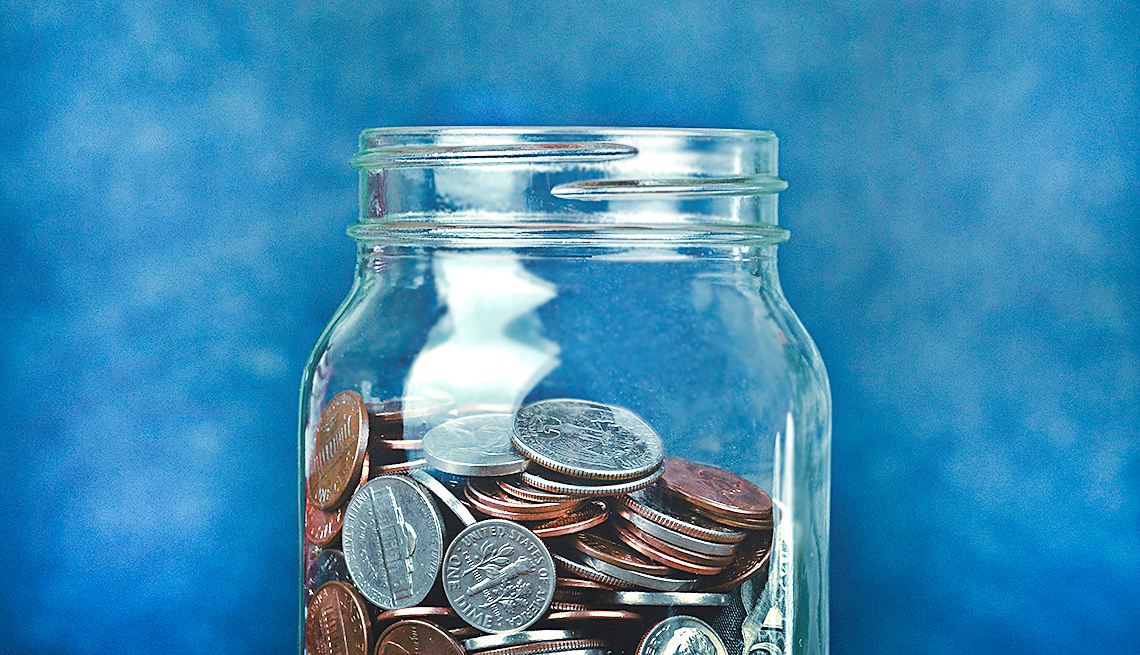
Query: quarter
{"points": [[478, 445]]}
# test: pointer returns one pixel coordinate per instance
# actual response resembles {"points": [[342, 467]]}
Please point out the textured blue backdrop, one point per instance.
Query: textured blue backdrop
{"points": [[965, 222]]}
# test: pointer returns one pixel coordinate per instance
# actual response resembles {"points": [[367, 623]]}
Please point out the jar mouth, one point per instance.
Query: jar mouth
{"points": [[579, 174]]}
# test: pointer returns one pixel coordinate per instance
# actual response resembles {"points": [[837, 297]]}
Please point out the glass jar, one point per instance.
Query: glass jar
{"points": [[565, 400]]}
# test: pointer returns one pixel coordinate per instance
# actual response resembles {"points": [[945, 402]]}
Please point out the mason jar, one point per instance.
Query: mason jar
{"points": [[565, 406]]}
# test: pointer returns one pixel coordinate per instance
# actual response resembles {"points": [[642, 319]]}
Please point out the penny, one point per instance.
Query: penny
{"points": [[515, 638], [665, 557], [402, 467], [575, 583], [591, 615], [763, 524], [515, 486], [679, 516], [589, 573], [474, 445], [411, 636], [598, 547], [489, 499], [724, 494], [752, 558], [321, 526], [628, 533], [654, 582], [553, 483], [555, 646], [665, 598], [397, 444], [592, 514], [681, 634], [498, 576], [588, 440], [678, 539], [445, 496], [328, 565], [337, 621], [393, 542], [338, 450]]}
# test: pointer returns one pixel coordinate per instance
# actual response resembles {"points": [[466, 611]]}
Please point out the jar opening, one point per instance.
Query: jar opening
{"points": [[610, 176]]}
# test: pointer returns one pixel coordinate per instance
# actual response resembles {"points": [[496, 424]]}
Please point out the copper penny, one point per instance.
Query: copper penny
{"points": [[752, 557], [678, 515], [417, 612], [338, 452], [398, 444], [599, 547], [737, 522], [322, 527], [592, 514], [489, 499], [624, 515], [577, 583], [629, 531], [513, 485], [724, 494], [412, 637], [663, 557], [402, 467], [337, 621], [590, 615]]}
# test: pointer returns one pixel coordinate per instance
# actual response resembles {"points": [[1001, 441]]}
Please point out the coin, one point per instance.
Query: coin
{"points": [[678, 516], [678, 539], [445, 496], [499, 576], [337, 621], [589, 573], [474, 445], [725, 495], [654, 582], [417, 612], [598, 547], [752, 557], [338, 451], [565, 646], [393, 541], [681, 634], [585, 517], [591, 615], [665, 557], [489, 499], [328, 565], [635, 538], [515, 486], [588, 440], [560, 485], [515, 638], [321, 526], [402, 467], [411, 636], [397, 444], [665, 598]]}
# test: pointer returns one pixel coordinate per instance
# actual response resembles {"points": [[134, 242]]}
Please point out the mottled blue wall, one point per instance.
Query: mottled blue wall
{"points": [[964, 210]]}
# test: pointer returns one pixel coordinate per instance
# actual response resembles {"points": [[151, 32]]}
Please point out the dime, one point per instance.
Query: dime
{"points": [[554, 484], [681, 634], [411, 636], [678, 539], [474, 445], [587, 440], [752, 558], [338, 451], [393, 541], [665, 557], [665, 598], [598, 547], [498, 576], [654, 582], [592, 514], [337, 621], [678, 516], [722, 494], [515, 638], [327, 566], [445, 496]]}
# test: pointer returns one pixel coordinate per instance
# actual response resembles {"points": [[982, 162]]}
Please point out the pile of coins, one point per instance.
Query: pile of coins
{"points": [[569, 521]]}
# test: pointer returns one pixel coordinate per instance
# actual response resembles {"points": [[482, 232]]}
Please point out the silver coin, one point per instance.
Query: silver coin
{"points": [[654, 582], [587, 440], [681, 634], [673, 537], [664, 598], [392, 541], [445, 496], [680, 518], [514, 638], [589, 573], [498, 576], [546, 483], [474, 445]]}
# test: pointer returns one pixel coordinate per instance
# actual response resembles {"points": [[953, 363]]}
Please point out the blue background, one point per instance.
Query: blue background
{"points": [[174, 189]]}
